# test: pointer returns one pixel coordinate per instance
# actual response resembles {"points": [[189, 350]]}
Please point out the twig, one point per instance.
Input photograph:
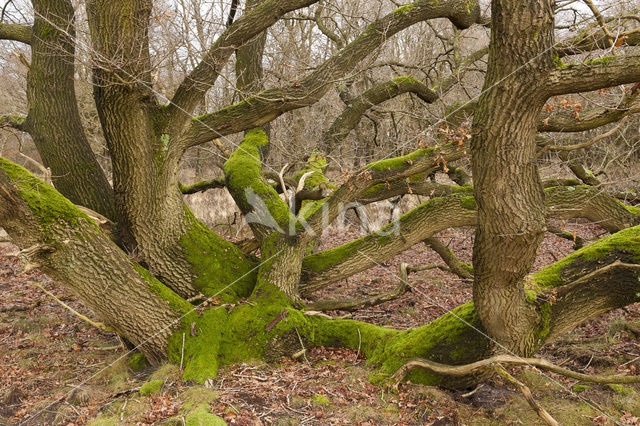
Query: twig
{"points": [[182, 352], [97, 324]]}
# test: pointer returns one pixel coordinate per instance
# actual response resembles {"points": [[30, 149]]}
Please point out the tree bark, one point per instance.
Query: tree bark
{"points": [[53, 119], [507, 187]]}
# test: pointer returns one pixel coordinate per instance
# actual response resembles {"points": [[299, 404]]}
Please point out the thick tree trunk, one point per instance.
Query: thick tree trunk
{"points": [[508, 190], [72, 249], [154, 223], [53, 120]]}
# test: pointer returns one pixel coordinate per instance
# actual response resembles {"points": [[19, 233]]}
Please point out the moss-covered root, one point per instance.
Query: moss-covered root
{"points": [[455, 338]]}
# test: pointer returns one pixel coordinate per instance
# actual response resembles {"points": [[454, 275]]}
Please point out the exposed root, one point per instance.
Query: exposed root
{"points": [[475, 367], [526, 392]]}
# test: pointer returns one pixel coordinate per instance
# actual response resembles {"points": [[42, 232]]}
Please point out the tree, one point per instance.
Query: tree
{"points": [[148, 295]]}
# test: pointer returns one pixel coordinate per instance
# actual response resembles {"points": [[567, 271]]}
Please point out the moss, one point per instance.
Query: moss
{"points": [[200, 356], [545, 323], [105, 421], [216, 262], [152, 387], [316, 163], [580, 388], [439, 341], [399, 162], [619, 389], [167, 372], [468, 203], [137, 362], [47, 204], [318, 399], [404, 10], [600, 61], [177, 303], [626, 241], [202, 417], [243, 176], [196, 395]]}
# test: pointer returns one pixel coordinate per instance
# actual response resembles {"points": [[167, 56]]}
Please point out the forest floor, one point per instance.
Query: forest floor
{"points": [[57, 369]]}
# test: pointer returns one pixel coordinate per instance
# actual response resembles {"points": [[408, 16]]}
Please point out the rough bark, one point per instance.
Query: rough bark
{"points": [[53, 120], [16, 32], [72, 249], [507, 188], [153, 221]]}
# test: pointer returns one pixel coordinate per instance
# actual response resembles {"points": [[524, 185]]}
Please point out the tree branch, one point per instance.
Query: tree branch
{"points": [[194, 87], [354, 305], [323, 268], [379, 93], [16, 32], [14, 121], [202, 186], [269, 104], [594, 75], [567, 121]]}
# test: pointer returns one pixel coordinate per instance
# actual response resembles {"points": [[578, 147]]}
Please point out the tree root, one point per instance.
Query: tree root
{"points": [[495, 364], [526, 392], [469, 369]]}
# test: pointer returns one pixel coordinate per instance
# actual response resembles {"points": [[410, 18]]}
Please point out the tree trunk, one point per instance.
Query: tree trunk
{"points": [[508, 190], [53, 120], [154, 224]]}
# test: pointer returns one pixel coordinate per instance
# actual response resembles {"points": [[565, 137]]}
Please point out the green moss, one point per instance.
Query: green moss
{"points": [[202, 417], [137, 362], [404, 10], [243, 176], [47, 204], [619, 389], [216, 262], [167, 372], [625, 241], [177, 303], [580, 388], [152, 387], [400, 162], [545, 322], [196, 395], [469, 203], [600, 61], [318, 399], [438, 341], [105, 421]]}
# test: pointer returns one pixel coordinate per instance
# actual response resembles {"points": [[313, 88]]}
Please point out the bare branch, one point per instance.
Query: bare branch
{"points": [[354, 305], [197, 83], [269, 104]]}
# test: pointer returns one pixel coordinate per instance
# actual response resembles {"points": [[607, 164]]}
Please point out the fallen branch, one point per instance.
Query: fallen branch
{"points": [[97, 324], [354, 305]]}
